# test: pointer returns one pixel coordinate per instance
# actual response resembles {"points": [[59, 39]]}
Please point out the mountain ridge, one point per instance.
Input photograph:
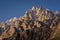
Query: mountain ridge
{"points": [[34, 25]]}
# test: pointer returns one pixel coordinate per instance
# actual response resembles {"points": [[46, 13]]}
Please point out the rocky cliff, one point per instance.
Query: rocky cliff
{"points": [[36, 24]]}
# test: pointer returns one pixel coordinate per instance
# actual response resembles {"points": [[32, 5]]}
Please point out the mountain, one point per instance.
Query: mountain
{"points": [[36, 24]]}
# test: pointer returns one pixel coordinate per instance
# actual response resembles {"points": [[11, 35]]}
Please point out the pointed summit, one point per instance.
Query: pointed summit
{"points": [[33, 8]]}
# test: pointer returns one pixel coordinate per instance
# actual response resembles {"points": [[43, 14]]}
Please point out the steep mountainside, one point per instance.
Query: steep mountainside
{"points": [[36, 24]]}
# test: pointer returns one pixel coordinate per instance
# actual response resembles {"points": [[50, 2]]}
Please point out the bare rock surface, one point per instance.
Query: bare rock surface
{"points": [[36, 24]]}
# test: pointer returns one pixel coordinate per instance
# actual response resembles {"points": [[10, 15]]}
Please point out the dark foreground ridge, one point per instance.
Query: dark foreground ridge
{"points": [[36, 24]]}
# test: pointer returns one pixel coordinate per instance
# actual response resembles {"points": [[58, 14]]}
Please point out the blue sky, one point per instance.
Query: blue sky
{"points": [[17, 8]]}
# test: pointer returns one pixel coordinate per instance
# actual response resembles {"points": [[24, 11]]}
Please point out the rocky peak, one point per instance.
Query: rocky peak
{"points": [[36, 20]]}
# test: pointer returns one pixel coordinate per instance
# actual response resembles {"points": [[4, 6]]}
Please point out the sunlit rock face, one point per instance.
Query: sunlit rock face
{"points": [[36, 24]]}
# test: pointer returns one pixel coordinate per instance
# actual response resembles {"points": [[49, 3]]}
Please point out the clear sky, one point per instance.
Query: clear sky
{"points": [[17, 8]]}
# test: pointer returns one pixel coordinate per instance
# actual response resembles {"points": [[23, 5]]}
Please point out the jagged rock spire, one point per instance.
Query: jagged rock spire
{"points": [[33, 8]]}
